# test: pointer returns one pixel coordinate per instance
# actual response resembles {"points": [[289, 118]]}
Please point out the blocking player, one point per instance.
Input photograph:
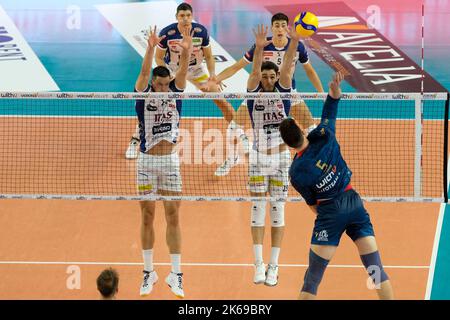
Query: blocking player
{"points": [[319, 173], [269, 157], [158, 166], [168, 55], [274, 51]]}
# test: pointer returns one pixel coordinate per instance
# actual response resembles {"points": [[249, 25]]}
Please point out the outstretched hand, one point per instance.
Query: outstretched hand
{"points": [[335, 88], [261, 36], [153, 38], [292, 33], [186, 43]]}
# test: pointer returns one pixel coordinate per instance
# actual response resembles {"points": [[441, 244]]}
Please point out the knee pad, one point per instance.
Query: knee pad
{"points": [[258, 214], [314, 273], [372, 263], [277, 213]]}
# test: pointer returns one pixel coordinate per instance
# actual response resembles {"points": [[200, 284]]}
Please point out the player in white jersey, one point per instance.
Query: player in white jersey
{"points": [[158, 166], [168, 55], [275, 52], [269, 157]]}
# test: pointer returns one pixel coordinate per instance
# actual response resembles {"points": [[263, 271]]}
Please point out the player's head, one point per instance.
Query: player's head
{"points": [[160, 79], [184, 14], [280, 22], [292, 133], [108, 283], [269, 75]]}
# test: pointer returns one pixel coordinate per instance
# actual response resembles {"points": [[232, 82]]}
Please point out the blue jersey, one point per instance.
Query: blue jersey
{"points": [[276, 55], [320, 172], [159, 119], [200, 40]]}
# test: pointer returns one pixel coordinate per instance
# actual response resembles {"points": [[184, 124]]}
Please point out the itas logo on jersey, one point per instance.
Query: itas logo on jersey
{"points": [[163, 117], [273, 116]]}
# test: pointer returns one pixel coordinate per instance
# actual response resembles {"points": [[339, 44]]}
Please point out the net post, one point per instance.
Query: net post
{"points": [[445, 180], [418, 147]]}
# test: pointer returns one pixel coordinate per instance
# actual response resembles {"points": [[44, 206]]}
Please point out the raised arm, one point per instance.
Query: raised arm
{"points": [[186, 46], [210, 62], [261, 41], [231, 70], [313, 77], [286, 73], [144, 75], [330, 107]]}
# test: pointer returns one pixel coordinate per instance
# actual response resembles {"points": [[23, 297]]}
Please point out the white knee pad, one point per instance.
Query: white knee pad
{"points": [[258, 213], [277, 213]]}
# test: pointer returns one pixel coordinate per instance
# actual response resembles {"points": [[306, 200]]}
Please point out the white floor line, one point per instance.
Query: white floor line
{"points": [[437, 237], [189, 264]]}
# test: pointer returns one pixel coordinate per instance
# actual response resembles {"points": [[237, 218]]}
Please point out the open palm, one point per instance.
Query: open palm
{"points": [[186, 43], [261, 36], [153, 38]]}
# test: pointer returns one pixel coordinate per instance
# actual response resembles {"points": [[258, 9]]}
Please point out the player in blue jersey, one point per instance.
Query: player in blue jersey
{"points": [[320, 174], [168, 55], [274, 51]]}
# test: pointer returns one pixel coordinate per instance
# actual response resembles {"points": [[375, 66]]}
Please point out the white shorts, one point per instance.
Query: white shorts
{"points": [[156, 173], [196, 74], [269, 173]]}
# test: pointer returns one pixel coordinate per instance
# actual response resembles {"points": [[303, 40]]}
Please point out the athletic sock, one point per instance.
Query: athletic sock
{"points": [[274, 254], [258, 251], [148, 259], [176, 262]]}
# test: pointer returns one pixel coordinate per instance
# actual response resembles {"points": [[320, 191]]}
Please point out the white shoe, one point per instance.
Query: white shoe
{"points": [[226, 166], [272, 275], [149, 280], [132, 150], [175, 283], [260, 273]]}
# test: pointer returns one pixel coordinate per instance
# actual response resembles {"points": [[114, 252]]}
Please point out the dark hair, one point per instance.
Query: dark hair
{"points": [[269, 65], [160, 71], [291, 133], [280, 17], [184, 6], [108, 282]]}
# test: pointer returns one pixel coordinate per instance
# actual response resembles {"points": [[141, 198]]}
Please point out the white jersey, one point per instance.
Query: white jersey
{"points": [[159, 119], [266, 116]]}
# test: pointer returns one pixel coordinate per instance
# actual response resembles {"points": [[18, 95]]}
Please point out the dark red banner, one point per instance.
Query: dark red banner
{"points": [[345, 42]]}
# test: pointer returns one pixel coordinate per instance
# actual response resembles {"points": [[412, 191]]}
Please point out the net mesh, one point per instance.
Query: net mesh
{"points": [[73, 146]]}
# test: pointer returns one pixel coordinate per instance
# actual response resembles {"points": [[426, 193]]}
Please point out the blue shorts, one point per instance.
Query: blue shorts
{"points": [[344, 213]]}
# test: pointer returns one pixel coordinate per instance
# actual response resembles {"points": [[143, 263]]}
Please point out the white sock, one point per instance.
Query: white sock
{"points": [[176, 262], [148, 259], [258, 251], [274, 254]]}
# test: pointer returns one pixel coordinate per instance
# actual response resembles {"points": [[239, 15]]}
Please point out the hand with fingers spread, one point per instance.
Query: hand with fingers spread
{"points": [[186, 43], [292, 34], [261, 36], [212, 81], [153, 38], [335, 89]]}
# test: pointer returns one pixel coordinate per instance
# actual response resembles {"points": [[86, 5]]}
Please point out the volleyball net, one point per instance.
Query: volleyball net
{"points": [[72, 145]]}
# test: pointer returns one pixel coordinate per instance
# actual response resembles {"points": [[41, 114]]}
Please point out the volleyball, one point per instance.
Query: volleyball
{"points": [[306, 24]]}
